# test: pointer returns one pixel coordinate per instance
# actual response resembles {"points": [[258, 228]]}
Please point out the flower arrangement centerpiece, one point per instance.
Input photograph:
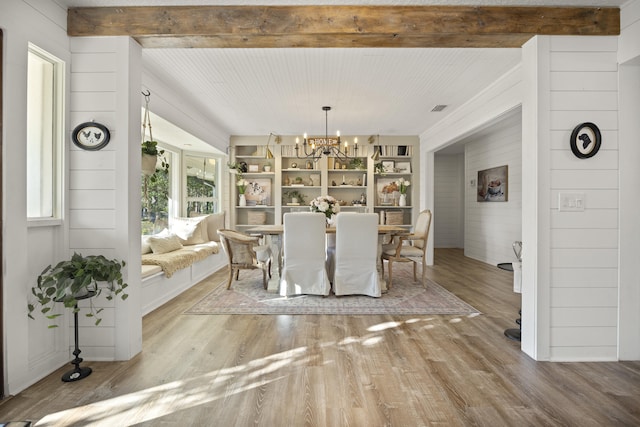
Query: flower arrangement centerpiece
{"points": [[402, 185], [327, 205]]}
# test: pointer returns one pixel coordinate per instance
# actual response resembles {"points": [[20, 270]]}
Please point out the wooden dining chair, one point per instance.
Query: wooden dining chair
{"points": [[356, 255], [244, 252], [303, 244], [414, 251]]}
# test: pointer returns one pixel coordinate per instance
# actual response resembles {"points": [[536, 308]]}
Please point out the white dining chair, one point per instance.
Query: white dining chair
{"points": [[356, 255], [304, 255]]}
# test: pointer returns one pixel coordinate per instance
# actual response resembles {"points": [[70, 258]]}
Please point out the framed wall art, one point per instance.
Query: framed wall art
{"points": [[403, 167], [388, 166], [493, 185]]}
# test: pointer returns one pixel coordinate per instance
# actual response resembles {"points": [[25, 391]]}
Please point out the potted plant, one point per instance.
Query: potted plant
{"points": [[150, 154], [378, 168], [237, 168], [356, 163], [74, 279], [267, 167], [294, 195]]}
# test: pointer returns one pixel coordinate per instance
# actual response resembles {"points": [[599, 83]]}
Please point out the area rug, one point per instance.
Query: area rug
{"points": [[406, 297]]}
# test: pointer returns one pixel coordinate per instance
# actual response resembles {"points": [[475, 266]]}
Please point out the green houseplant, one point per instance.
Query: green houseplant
{"points": [[74, 278], [151, 152], [289, 196]]}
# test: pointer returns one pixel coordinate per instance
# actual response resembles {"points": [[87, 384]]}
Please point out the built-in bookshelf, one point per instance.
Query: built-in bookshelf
{"points": [[290, 183]]}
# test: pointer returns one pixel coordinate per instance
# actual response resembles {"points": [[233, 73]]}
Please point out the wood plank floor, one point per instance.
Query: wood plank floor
{"points": [[200, 370]]}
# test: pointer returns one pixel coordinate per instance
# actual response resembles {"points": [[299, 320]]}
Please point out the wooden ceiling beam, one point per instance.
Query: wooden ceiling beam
{"points": [[339, 26]]}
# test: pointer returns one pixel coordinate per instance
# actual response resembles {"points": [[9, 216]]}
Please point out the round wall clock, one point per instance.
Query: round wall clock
{"points": [[91, 136], [585, 140]]}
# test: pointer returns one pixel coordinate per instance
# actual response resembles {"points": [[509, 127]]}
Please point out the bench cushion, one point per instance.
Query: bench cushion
{"points": [[171, 262], [150, 270]]}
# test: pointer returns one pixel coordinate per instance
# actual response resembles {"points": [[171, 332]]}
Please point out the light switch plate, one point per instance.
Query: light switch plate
{"points": [[571, 202]]}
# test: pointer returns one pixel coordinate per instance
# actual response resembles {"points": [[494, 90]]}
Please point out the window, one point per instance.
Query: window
{"points": [[156, 192], [201, 182], [45, 89]]}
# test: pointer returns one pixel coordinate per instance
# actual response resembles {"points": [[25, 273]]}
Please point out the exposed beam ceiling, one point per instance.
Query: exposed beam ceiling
{"points": [[339, 26]]}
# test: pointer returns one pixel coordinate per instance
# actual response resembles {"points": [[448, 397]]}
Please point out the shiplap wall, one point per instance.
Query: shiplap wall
{"points": [[584, 245], [99, 183], [449, 200], [492, 227]]}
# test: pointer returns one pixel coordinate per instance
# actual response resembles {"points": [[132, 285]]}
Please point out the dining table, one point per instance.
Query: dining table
{"points": [[272, 234]]}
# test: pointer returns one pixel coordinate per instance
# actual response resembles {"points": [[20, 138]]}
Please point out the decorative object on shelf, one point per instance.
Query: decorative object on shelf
{"points": [[357, 163], [403, 185], [585, 140], [90, 136], [378, 168], [403, 167], [293, 197], [258, 192], [267, 167], [294, 165], [287, 181], [242, 187], [493, 184], [254, 168], [150, 151], [327, 205], [309, 164], [315, 148], [388, 166], [403, 200], [237, 168]]}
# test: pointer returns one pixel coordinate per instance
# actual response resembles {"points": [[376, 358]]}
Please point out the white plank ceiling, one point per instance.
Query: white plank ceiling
{"points": [[372, 91]]}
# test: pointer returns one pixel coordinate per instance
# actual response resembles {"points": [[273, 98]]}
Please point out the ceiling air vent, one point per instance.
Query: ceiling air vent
{"points": [[438, 108]]}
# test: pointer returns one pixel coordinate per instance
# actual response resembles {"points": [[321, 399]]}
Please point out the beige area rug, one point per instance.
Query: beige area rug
{"points": [[406, 297]]}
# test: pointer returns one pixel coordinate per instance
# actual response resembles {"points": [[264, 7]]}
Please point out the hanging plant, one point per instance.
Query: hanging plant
{"points": [[150, 151]]}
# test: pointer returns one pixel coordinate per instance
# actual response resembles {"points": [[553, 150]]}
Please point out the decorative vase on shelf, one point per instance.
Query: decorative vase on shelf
{"points": [[403, 200], [243, 200]]}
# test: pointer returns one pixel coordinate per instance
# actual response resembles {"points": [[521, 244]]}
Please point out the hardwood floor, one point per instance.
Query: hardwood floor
{"points": [[202, 370]]}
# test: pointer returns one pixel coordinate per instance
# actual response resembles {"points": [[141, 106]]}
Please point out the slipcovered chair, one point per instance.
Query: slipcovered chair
{"points": [[398, 251], [356, 255], [245, 253], [304, 255]]}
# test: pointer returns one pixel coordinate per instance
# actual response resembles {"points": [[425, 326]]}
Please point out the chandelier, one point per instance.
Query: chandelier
{"points": [[315, 148]]}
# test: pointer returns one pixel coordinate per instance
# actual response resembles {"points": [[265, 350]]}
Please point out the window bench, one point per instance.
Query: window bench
{"points": [[167, 273], [159, 287]]}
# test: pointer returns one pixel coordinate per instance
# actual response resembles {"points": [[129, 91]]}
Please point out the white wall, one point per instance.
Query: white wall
{"points": [[492, 227], [31, 350], [104, 185], [572, 291], [629, 94], [449, 200]]}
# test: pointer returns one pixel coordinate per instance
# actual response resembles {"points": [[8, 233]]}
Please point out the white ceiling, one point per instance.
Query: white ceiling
{"points": [[372, 91]]}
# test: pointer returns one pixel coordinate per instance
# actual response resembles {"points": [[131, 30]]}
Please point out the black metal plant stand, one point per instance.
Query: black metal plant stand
{"points": [[512, 333], [78, 372]]}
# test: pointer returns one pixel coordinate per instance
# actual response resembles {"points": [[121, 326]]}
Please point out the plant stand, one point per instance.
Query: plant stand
{"points": [[514, 334], [77, 373]]}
